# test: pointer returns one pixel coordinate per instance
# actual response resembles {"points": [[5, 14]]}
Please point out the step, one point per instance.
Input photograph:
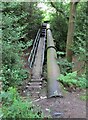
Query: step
{"points": [[43, 30], [39, 86], [35, 83], [35, 92], [43, 33], [43, 27], [33, 86], [36, 80]]}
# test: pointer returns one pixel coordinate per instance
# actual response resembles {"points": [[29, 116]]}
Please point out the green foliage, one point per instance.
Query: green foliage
{"points": [[65, 66], [71, 79], [20, 21], [80, 31], [59, 28], [12, 65], [58, 23], [59, 31], [27, 45], [84, 97], [14, 107], [60, 53]]}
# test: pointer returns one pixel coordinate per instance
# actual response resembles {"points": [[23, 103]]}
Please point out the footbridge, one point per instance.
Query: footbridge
{"points": [[44, 41]]}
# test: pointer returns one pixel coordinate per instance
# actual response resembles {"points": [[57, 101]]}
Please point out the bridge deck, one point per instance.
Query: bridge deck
{"points": [[39, 58]]}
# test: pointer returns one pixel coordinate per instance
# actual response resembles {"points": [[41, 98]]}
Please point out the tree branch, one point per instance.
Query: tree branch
{"points": [[59, 10]]}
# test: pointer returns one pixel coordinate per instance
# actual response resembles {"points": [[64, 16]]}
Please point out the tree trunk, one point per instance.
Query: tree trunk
{"points": [[70, 34]]}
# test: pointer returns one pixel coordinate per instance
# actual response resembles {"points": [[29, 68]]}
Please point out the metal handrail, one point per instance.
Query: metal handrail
{"points": [[33, 51], [44, 45]]}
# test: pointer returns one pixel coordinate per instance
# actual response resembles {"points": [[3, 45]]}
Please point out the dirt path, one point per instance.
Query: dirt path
{"points": [[70, 106]]}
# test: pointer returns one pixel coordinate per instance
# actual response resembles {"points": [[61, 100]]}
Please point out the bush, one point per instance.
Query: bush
{"points": [[12, 65], [14, 107], [80, 35], [59, 31], [18, 25], [65, 66], [71, 79]]}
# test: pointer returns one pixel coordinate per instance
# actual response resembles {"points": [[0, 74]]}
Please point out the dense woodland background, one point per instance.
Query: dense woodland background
{"points": [[20, 22]]}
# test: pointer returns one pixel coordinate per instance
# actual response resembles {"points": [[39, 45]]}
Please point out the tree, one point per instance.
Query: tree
{"points": [[19, 26], [59, 10], [70, 34], [58, 21]]}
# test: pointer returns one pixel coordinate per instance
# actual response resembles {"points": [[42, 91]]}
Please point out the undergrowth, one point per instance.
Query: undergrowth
{"points": [[84, 97], [12, 65], [72, 80], [14, 107]]}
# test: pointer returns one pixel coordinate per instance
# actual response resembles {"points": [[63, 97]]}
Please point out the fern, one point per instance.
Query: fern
{"points": [[71, 79]]}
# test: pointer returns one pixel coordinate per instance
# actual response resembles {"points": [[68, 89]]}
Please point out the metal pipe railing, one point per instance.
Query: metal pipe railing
{"points": [[44, 47], [53, 71], [34, 49], [36, 72]]}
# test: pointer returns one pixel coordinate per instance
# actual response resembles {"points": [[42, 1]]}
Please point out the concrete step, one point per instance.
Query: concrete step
{"points": [[33, 83], [43, 26], [33, 86], [43, 30], [36, 80]]}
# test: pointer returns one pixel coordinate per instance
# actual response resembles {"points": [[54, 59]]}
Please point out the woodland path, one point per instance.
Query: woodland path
{"points": [[70, 106]]}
